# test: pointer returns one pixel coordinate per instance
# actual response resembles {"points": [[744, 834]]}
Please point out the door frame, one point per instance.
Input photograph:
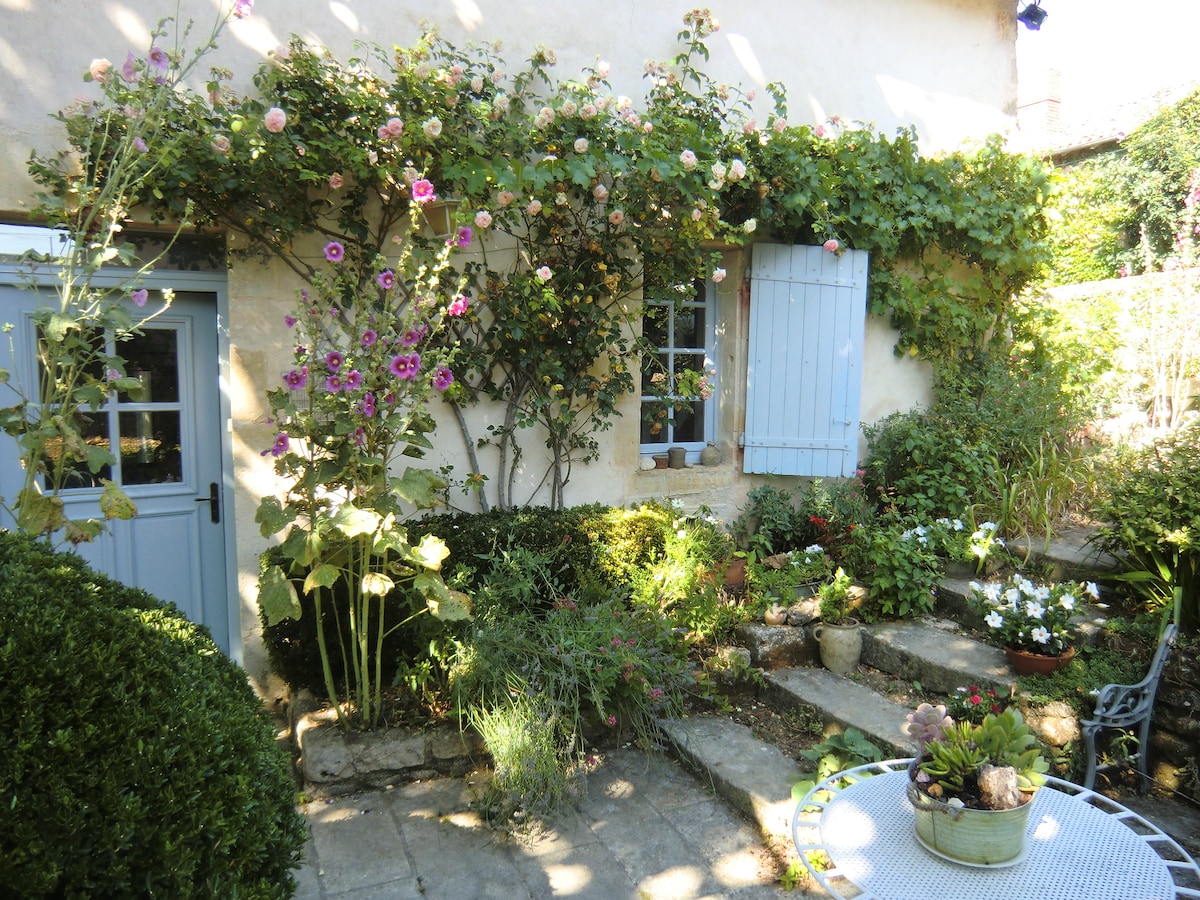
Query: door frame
{"points": [[216, 284]]}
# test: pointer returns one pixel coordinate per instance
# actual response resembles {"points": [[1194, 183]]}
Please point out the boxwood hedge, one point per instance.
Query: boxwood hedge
{"points": [[135, 760]]}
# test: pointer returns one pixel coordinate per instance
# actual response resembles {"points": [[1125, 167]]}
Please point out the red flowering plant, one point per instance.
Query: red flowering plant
{"points": [[366, 363], [972, 702]]}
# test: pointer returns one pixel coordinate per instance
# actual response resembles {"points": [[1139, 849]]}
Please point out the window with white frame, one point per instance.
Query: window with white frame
{"points": [[679, 380]]}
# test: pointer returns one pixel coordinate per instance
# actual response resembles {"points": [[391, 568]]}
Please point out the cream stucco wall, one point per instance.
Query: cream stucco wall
{"points": [[945, 66]]}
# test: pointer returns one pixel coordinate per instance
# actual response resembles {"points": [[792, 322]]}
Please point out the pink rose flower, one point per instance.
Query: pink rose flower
{"points": [[275, 120], [336, 181], [718, 276], [534, 207], [600, 192], [616, 217], [432, 128], [394, 126], [545, 273], [99, 69], [483, 219], [688, 159], [504, 198], [831, 245], [221, 144]]}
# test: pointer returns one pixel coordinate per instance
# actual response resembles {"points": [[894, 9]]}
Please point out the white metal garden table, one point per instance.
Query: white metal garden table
{"points": [[1081, 845]]}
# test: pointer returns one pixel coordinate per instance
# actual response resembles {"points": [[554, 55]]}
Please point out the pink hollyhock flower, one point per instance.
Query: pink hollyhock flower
{"points": [[616, 217], [280, 446], [129, 69], [336, 180], [483, 219], [334, 360], [368, 337], [545, 273], [459, 306], [831, 245], [443, 379], [99, 69], [534, 207], [139, 297], [275, 120], [386, 279], [353, 380], [422, 191], [297, 379], [241, 8], [334, 251], [405, 367]]}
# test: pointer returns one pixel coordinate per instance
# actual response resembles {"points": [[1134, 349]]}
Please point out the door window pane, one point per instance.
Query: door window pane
{"points": [[150, 447], [152, 358]]}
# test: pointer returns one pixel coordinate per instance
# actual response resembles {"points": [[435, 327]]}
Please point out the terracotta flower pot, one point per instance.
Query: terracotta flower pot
{"points": [[1027, 663]]}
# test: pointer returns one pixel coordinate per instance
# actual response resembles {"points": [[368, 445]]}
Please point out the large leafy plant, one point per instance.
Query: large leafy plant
{"points": [[354, 402]]}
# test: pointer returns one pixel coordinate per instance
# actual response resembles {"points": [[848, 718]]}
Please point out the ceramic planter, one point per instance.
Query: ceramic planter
{"points": [[840, 646], [1026, 663], [974, 837]]}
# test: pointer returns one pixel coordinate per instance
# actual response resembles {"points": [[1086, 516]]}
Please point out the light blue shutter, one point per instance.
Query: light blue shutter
{"points": [[807, 317]]}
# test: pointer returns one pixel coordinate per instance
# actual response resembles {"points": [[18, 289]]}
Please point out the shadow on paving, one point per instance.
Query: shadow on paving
{"points": [[646, 830]]}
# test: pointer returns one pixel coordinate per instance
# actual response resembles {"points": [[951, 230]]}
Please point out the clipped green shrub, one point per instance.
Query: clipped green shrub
{"points": [[135, 760]]}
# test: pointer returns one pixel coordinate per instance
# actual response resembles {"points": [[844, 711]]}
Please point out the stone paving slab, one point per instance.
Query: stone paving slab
{"points": [[940, 659], [645, 830], [844, 702]]}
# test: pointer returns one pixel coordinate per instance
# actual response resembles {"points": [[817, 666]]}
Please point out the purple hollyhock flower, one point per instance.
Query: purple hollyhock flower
{"points": [[462, 238], [334, 360], [289, 321], [280, 446], [140, 144], [297, 379], [241, 8], [405, 367], [360, 436], [334, 252], [386, 279], [443, 379], [158, 57], [333, 384], [368, 404], [354, 380], [369, 337]]}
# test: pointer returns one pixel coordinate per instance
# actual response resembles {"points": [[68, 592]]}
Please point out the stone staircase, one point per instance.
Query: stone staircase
{"points": [[756, 778]]}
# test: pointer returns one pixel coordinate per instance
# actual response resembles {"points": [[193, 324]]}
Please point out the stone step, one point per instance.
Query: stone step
{"points": [[941, 659], [750, 775], [843, 702]]}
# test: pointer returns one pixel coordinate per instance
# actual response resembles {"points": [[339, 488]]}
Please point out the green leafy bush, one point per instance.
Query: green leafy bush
{"points": [[135, 760], [900, 571], [1153, 523]]}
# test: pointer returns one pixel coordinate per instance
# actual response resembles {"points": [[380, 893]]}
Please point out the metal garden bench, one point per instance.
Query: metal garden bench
{"points": [[1127, 706]]}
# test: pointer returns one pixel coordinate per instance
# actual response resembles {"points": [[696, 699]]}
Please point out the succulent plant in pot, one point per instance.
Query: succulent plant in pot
{"points": [[971, 786]]}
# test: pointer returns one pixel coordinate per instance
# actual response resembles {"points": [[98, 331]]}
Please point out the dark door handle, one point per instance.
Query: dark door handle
{"points": [[213, 498]]}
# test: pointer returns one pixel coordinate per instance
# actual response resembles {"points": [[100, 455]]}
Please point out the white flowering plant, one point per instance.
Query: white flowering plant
{"points": [[954, 539], [1036, 618]]}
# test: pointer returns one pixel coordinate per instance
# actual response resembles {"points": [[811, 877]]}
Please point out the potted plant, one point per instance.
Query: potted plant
{"points": [[1033, 622], [838, 634], [972, 786]]}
